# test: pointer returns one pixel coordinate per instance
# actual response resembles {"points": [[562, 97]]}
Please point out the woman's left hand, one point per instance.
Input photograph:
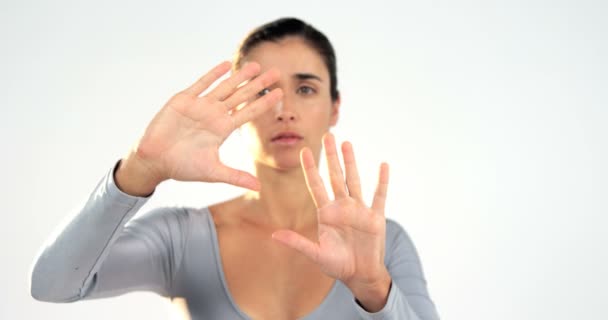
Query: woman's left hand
{"points": [[351, 234]]}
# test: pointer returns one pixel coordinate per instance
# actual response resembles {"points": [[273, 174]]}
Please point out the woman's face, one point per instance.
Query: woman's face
{"points": [[306, 111]]}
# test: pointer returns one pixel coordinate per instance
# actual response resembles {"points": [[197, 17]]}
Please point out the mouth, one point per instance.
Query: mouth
{"points": [[286, 138]]}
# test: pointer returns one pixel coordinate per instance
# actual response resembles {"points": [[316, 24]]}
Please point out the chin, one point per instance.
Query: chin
{"points": [[287, 164], [283, 162]]}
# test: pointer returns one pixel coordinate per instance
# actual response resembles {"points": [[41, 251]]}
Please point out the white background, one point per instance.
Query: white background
{"points": [[492, 116]]}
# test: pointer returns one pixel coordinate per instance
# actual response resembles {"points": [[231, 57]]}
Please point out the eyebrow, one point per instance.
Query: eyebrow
{"points": [[306, 76]]}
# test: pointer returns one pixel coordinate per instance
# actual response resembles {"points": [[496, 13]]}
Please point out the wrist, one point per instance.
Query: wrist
{"points": [[373, 295], [134, 177]]}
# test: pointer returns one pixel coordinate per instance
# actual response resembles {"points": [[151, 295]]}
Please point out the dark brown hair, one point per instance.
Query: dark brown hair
{"points": [[286, 27]]}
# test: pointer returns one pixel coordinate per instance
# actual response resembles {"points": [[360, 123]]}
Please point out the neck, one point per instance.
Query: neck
{"points": [[283, 201]]}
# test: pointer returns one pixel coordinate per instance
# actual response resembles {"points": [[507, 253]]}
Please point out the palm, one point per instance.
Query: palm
{"points": [[349, 233], [186, 137], [183, 139]]}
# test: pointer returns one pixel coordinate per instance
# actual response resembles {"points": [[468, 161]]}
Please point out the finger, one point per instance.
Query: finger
{"points": [[298, 242], [230, 85], [380, 195], [313, 180], [208, 79], [352, 173], [256, 108], [235, 177], [336, 177], [253, 88]]}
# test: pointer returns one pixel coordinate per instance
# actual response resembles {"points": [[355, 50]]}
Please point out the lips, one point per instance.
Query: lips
{"points": [[286, 135], [286, 138]]}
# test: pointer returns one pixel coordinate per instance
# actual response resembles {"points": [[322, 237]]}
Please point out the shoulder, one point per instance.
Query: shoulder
{"points": [[395, 232], [169, 221], [228, 213], [172, 220], [399, 245], [166, 215]]}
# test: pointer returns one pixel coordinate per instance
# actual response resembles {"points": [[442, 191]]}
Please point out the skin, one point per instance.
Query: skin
{"points": [[285, 242]]}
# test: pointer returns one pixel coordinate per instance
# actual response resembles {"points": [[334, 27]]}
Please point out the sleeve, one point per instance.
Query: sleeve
{"points": [[408, 297], [98, 254]]}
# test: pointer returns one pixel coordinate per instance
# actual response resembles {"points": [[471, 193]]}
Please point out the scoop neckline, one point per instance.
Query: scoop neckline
{"points": [[222, 276]]}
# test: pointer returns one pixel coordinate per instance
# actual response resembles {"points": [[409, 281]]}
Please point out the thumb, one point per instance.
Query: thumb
{"points": [[236, 177], [297, 242]]}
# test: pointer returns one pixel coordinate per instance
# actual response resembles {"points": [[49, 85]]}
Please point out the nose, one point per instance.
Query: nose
{"points": [[284, 113]]}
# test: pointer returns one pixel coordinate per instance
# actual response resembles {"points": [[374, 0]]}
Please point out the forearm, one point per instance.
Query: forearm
{"points": [[397, 307], [69, 260], [372, 295], [408, 297], [136, 178]]}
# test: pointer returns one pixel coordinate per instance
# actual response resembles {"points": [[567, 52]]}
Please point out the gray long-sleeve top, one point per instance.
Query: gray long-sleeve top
{"points": [[174, 252]]}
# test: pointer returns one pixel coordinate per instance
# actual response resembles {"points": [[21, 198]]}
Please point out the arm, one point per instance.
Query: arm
{"points": [[408, 296], [96, 255], [353, 238]]}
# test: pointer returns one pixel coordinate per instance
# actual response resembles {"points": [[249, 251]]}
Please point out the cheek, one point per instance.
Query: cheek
{"points": [[320, 115]]}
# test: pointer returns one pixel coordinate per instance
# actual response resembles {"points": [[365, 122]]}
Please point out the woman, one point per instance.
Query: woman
{"points": [[284, 249]]}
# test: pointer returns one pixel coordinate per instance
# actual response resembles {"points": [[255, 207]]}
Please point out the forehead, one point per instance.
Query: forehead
{"points": [[290, 55]]}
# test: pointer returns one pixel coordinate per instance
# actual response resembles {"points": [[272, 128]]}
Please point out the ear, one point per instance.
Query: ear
{"points": [[335, 112]]}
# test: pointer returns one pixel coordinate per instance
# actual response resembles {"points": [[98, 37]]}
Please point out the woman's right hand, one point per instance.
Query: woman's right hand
{"points": [[182, 141]]}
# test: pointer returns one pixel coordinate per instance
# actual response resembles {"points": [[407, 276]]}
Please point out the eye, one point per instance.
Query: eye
{"points": [[306, 90], [263, 92]]}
